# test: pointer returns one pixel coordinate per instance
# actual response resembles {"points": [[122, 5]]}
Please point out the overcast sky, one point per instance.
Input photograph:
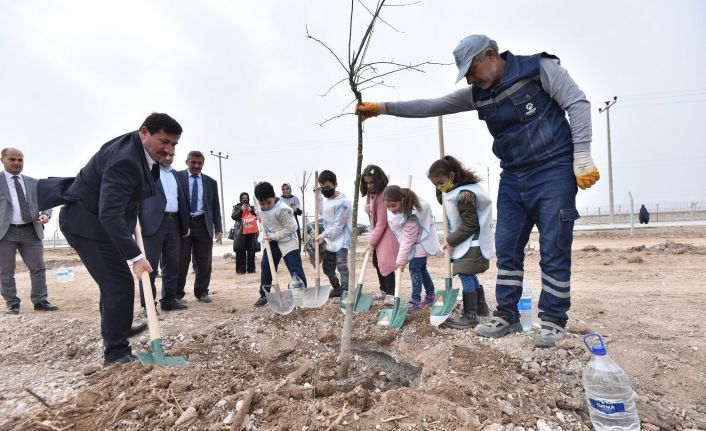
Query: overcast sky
{"points": [[242, 79]]}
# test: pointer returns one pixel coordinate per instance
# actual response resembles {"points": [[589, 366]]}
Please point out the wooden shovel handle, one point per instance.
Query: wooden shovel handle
{"points": [[361, 278], [152, 321]]}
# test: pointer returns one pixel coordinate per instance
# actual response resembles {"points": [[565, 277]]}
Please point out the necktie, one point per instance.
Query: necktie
{"points": [[24, 206], [155, 171], [195, 194]]}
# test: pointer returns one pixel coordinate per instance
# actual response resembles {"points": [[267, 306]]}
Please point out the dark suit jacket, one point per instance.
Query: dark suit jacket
{"points": [[103, 199], [211, 203], [152, 209]]}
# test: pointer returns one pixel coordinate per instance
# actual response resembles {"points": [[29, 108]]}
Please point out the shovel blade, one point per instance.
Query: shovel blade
{"points": [[157, 357], [280, 303], [317, 296], [444, 304], [361, 301], [393, 317]]}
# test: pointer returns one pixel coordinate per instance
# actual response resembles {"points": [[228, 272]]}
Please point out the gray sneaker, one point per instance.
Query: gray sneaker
{"points": [[549, 334], [497, 327]]}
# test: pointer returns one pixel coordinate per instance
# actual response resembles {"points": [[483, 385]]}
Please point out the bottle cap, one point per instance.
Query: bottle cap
{"points": [[594, 344]]}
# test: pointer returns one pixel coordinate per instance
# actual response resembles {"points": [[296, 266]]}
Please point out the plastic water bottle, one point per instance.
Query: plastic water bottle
{"points": [[70, 273], [524, 306], [62, 274], [297, 286], [611, 400]]}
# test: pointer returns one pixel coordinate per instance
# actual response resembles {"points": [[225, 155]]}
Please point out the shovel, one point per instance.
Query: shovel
{"points": [[394, 317], [318, 295], [157, 356], [361, 301], [446, 299], [280, 303]]}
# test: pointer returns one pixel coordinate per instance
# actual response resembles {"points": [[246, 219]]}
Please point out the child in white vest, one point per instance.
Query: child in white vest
{"points": [[470, 240], [280, 228], [336, 237], [412, 222]]}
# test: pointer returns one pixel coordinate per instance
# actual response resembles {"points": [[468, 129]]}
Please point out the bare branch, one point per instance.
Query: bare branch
{"points": [[402, 5], [375, 85], [378, 17], [367, 35], [309, 36], [333, 86], [414, 67], [350, 37], [335, 117]]}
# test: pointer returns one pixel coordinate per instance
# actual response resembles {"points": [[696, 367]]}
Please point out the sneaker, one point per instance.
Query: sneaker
{"points": [[414, 305], [260, 302], [380, 296], [335, 293], [429, 300], [549, 334], [497, 327], [389, 300]]}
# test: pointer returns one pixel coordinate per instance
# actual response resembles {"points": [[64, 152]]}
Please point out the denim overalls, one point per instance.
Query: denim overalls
{"points": [[532, 139]]}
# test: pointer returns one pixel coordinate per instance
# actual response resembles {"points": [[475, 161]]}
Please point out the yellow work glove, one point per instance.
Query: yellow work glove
{"points": [[370, 109], [585, 171]]}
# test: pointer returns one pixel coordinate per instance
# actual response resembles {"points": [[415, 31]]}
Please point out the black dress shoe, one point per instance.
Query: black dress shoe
{"points": [[44, 306], [136, 329], [205, 299], [121, 360], [173, 305], [260, 302], [13, 309]]}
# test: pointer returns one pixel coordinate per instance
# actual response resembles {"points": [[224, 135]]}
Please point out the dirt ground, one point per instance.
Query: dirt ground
{"points": [[645, 294]]}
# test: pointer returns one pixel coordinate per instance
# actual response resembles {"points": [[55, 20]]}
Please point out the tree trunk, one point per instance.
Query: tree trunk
{"points": [[347, 331]]}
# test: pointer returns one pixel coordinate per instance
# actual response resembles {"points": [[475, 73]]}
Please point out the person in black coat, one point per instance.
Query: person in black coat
{"points": [[244, 245], [644, 215], [99, 218]]}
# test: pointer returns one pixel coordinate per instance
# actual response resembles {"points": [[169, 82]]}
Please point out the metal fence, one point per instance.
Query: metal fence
{"points": [[659, 212]]}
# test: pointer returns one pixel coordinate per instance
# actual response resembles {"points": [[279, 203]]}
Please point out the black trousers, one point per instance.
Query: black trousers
{"points": [[387, 283], [117, 291], [200, 243], [245, 261], [162, 249]]}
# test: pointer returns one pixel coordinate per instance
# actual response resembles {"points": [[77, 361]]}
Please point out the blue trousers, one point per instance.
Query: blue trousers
{"points": [[546, 197], [293, 260], [469, 282], [420, 276]]}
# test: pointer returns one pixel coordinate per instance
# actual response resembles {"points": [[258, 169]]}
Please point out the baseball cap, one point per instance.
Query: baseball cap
{"points": [[467, 50]]}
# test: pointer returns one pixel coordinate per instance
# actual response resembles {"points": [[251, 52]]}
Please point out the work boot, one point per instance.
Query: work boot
{"points": [[468, 318], [499, 326], [549, 334], [482, 306], [335, 293]]}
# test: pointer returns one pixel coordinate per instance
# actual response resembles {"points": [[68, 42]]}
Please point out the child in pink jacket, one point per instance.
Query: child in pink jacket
{"points": [[412, 222], [382, 241]]}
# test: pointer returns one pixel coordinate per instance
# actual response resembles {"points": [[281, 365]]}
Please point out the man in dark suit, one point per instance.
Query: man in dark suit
{"points": [[21, 228], [164, 219], [204, 222], [99, 219]]}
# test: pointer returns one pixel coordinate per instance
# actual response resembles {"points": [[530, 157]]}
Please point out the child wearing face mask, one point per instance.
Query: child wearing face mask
{"points": [[337, 211], [279, 227], [411, 221], [470, 239], [381, 241]]}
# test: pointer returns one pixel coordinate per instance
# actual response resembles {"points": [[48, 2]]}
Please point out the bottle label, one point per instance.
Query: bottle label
{"points": [[524, 304], [607, 407]]}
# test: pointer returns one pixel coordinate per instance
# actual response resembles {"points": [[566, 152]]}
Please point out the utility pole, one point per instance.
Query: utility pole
{"points": [[606, 109], [221, 156]]}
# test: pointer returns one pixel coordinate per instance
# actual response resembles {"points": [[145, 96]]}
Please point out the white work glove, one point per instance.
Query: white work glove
{"points": [[586, 172]]}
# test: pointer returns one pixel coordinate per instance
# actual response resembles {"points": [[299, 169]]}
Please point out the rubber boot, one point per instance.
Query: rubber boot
{"points": [[482, 306], [468, 318]]}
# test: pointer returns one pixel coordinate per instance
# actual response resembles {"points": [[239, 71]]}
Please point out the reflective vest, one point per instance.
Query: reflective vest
{"points": [[484, 211], [429, 240]]}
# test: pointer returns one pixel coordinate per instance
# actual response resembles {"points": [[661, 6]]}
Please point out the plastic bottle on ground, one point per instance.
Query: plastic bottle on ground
{"points": [[70, 273], [62, 274], [297, 286], [611, 400], [524, 306]]}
